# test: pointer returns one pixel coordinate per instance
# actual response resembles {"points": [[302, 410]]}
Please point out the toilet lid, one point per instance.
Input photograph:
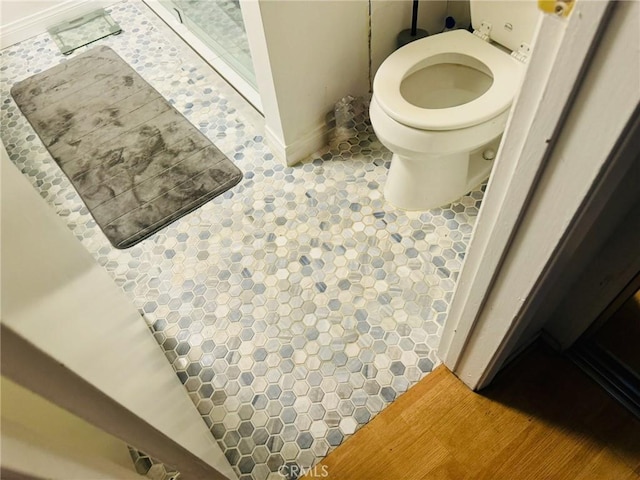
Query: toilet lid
{"points": [[506, 71]]}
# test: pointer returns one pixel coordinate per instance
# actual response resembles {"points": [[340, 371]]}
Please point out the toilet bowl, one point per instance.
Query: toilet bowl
{"points": [[441, 104]]}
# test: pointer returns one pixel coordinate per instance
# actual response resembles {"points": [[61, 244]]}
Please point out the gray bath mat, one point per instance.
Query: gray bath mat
{"points": [[135, 161]]}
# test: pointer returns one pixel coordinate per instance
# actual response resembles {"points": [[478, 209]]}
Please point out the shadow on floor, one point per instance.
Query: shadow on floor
{"points": [[551, 389]]}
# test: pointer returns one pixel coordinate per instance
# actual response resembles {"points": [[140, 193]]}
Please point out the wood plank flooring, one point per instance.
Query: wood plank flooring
{"points": [[542, 418]]}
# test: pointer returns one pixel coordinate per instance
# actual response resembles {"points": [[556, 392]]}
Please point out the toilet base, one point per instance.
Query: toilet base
{"points": [[426, 182]]}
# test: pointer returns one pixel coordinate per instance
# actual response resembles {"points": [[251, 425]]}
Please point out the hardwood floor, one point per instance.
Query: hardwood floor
{"points": [[542, 418]]}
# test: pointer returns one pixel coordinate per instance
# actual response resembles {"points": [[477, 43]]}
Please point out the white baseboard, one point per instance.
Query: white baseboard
{"points": [[39, 22], [301, 148]]}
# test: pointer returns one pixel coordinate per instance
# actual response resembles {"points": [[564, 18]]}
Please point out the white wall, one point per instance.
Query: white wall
{"points": [[23, 19], [41, 440], [14, 10], [307, 55]]}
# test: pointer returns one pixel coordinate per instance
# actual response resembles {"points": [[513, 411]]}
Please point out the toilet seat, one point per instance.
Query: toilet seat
{"points": [[457, 46]]}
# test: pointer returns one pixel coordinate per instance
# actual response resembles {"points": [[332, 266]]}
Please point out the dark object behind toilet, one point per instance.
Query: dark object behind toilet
{"points": [[413, 33]]}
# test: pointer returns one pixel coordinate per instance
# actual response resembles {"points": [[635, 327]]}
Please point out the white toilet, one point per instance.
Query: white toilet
{"points": [[440, 104]]}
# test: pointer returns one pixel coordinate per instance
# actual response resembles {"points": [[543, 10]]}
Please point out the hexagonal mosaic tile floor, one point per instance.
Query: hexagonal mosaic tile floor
{"points": [[296, 306]]}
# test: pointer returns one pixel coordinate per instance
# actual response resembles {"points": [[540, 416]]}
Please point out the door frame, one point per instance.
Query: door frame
{"points": [[479, 333]]}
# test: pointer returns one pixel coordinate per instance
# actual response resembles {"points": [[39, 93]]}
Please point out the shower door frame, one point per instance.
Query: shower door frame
{"points": [[244, 88]]}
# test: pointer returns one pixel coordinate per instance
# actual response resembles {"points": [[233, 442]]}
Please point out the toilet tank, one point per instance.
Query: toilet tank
{"points": [[513, 22]]}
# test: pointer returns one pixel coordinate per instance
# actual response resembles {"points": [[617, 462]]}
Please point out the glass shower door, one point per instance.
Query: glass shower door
{"points": [[218, 24]]}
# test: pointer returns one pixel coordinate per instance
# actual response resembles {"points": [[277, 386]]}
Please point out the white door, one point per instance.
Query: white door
{"points": [[70, 335]]}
